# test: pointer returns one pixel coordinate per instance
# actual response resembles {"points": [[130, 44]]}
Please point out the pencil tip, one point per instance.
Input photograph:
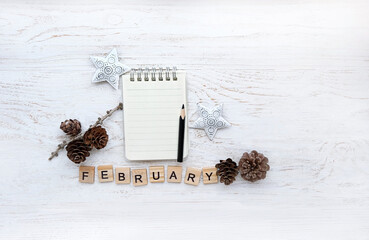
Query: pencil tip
{"points": [[182, 106]]}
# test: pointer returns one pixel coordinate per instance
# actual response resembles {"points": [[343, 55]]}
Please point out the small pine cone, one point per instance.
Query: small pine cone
{"points": [[96, 137], [227, 170], [253, 166], [71, 127], [77, 151]]}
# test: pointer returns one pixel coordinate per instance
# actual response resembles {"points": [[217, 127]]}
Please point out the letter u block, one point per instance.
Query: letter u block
{"points": [[157, 174]]}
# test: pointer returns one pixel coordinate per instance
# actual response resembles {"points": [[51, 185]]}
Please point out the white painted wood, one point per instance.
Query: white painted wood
{"points": [[293, 77]]}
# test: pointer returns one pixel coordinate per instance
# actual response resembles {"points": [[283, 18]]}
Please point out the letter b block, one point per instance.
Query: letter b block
{"points": [[122, 175]]}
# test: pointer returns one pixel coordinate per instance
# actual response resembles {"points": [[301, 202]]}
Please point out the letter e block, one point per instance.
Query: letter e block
{"points": [[139, 177], [122, 175], [157, 174], [174, 174], [193, 176], [209, 175], [86, 174], [105, 173]]}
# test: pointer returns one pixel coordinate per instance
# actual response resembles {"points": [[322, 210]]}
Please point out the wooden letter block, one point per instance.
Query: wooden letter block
{"points": [[209, 175], [86, 174], [174, 174], [139, 177], [193, 176], [122, 175], [157, 174], [105, 173]]}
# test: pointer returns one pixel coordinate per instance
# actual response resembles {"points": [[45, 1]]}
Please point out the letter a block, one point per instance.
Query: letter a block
{"points": [[157, 174], [122, 175], [105, 173], [139, 177], [193, 176], [86, 174], [174, 174], [209, 175]]}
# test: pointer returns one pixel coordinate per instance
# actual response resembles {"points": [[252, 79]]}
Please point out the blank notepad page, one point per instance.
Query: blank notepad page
{"points": [[151, 117]]}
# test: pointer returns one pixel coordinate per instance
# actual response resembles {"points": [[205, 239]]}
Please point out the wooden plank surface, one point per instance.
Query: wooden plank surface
{"points": [[294, 80]]}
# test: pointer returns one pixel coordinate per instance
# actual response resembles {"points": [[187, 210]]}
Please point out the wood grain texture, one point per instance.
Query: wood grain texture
{"points": [[294, 80]]}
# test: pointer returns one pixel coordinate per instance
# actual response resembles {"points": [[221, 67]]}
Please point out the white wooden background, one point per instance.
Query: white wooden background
{"points": [[294, 80]]}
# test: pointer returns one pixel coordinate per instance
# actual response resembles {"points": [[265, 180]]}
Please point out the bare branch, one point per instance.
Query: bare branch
{"points": [[99, 121]]}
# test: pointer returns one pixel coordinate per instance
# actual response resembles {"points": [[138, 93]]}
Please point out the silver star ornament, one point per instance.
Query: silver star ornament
{"points": [[210, 120], [109, 69]]}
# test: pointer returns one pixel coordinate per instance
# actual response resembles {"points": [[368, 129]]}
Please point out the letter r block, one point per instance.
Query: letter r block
{"points": [[139, 177], [192, 176]]}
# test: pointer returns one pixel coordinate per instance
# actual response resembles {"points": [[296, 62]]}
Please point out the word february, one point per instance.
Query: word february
{"points": [[140, 177]]}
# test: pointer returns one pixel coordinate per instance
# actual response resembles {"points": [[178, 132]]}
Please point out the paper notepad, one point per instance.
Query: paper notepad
{"points": [[152, 101]]}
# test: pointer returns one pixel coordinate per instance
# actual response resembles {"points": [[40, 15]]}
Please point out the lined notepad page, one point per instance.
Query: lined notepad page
{"points": [[151, 117]]}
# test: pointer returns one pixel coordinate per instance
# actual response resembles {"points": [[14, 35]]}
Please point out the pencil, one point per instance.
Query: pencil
{"points": [[181, 133]]}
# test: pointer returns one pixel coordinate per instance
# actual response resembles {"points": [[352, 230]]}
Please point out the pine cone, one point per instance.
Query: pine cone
{"points": [[96, 137], [71, 127], [253, 166], [227, 170], [77, 151]]}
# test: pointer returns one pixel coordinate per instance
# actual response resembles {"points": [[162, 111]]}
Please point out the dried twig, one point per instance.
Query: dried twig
{"points": [[99, 121]]}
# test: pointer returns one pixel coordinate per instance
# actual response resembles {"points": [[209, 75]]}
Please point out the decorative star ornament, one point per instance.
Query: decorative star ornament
{"points": [[109, 69], [210, 120]]}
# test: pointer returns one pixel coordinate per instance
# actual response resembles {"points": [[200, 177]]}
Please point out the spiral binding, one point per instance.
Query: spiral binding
{"points": [[153, 74]]}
